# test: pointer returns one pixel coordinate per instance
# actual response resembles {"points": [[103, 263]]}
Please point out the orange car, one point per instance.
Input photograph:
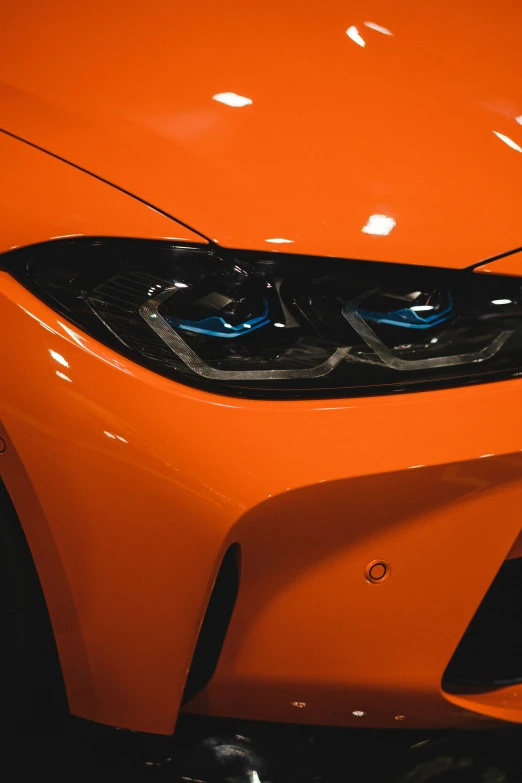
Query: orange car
{"points": [[261, 316]]}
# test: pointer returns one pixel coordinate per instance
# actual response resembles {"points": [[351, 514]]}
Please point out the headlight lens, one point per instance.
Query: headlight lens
{"points": [[277, 325]]}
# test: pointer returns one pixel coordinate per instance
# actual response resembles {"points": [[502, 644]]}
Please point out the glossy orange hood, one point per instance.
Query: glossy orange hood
{"points": [[411, 111]]}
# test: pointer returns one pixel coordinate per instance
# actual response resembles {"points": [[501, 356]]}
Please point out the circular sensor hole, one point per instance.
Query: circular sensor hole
{"points": [[377, 571]]}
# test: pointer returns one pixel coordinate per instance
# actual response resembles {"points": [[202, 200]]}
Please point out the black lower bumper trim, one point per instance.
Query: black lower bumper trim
{"points": [[489, 655]]}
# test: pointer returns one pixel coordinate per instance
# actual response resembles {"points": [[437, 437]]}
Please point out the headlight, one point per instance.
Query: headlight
{"points": [[277, 325]]}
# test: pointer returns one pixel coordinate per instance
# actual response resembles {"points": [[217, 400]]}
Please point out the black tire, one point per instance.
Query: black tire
{"points": [[30, 676]]}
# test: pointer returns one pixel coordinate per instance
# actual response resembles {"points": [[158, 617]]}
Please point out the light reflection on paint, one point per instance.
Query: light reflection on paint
{"points": [[379, 225], [378, 28], [508, 141], [58, 358], [232, 99], [354, 35]]}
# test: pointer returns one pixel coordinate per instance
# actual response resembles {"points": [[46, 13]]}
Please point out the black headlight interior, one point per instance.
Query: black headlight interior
{"points": [[281, 326]]}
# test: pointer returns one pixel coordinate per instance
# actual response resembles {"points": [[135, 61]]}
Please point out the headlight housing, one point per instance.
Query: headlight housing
{"points": [[281, 326]]}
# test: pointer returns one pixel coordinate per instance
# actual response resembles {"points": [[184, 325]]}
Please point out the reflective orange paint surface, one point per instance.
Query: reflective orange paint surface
{"points": [[509, 265], [42, 198], [311, 640], [419, 125], [141, 485], [131, 487]]}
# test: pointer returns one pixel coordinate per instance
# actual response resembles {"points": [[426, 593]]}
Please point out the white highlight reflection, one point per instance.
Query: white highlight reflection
{"points": [[64, 377], [114, 437], [279, 241], [508, 141], [501, 301], [519, 119], [83, 343], [353, 34], [379, 28], [232, 99], [35, 317], [379, 225], [58, 358]]}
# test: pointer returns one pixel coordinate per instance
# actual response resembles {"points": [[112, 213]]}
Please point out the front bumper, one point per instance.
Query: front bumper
{"points": [[131, 488]]}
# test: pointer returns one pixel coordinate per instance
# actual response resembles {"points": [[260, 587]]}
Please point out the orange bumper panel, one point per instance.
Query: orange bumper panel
{"points": [[131, 488]]}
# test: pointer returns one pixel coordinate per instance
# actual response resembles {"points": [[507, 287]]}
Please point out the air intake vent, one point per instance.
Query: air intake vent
{"points": [[490, 653], [215, 625]]}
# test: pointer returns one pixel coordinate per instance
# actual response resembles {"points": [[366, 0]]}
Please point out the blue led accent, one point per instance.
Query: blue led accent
{"points": [[409, 318], [215, 326]]}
